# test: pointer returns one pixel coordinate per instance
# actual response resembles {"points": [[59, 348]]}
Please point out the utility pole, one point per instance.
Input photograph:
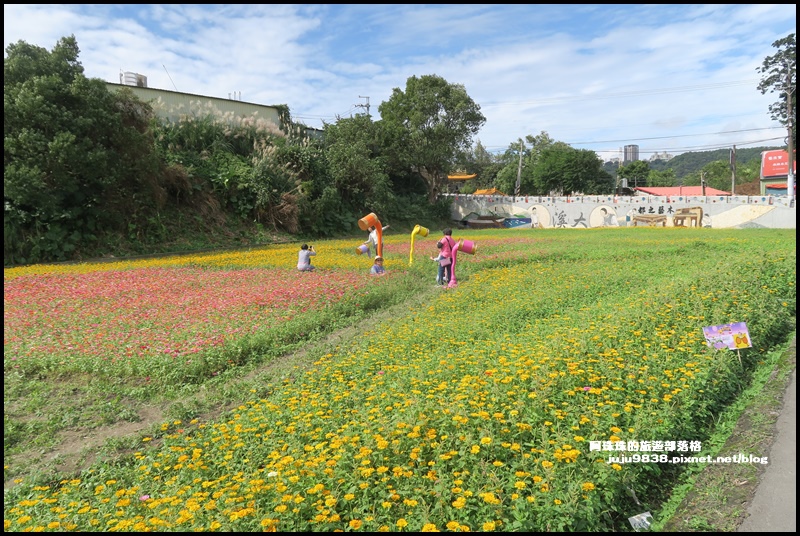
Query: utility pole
{"points": [[363, 105], [519, 168], [789, 141], [733, 170]]}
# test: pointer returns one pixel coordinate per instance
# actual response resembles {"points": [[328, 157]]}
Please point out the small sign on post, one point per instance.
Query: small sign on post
{"points": [[732, 336]]}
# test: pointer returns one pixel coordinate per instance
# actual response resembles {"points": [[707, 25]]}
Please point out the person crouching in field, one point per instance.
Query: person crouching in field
{"points": [[377, 267], [304, 258]]}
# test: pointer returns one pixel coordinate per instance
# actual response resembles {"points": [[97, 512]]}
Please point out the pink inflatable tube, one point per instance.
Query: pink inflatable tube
{"points": [[454, 255], [467, 246]]}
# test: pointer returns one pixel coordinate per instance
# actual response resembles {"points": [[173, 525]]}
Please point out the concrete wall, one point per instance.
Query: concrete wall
{"points": [[173, 105], [587, 211]]}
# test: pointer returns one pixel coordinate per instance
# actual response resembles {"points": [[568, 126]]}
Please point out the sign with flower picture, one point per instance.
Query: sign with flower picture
{"points": [[732, 336]]}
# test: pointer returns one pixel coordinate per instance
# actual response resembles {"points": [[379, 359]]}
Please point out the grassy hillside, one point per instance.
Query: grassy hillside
{"points": [[688, 163], [691, 163]]}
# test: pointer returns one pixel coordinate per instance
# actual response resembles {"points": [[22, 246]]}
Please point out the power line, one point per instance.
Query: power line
{"points": [[324, 117], [363, 105], [627, 94], [626, 140], [304, 116], [498, 148], [168, 76], [689, 148]]}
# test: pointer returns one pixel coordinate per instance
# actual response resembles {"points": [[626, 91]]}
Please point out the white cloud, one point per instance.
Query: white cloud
{"points": [[598, 76]]}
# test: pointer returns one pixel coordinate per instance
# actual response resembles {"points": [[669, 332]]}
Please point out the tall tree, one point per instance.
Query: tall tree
{"points": [[515, 163], [531, 148], [636, 173], [717, 174], [71, 151], [567, 171], [780, 76], [357, 175], [479, 161], [429, 124], [664, 177]]}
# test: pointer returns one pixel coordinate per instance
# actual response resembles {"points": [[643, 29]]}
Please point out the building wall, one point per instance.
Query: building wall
{"points": [[631, 153], [781, 181], [172, 105]]}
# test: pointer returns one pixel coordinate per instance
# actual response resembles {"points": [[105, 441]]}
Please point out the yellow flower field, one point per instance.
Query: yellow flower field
{"points": [[492, 406]]}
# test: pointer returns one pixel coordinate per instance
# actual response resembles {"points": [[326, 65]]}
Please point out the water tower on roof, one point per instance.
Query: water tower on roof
{"points": [[132, 79]]}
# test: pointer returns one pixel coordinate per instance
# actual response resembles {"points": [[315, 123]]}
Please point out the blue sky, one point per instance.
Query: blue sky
{"points": [[668, 78]]}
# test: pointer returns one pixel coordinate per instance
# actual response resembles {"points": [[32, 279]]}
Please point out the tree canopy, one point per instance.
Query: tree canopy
{"points": [[71, 148], [636, 173], [568, 171], [428, 124], [780, 76]]}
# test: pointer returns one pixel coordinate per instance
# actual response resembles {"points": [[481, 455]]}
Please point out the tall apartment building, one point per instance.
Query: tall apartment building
{"points": [[630, 153]]}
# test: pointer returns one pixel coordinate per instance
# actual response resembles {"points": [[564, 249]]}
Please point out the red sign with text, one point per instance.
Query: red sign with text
{"points": [[776, 164]]}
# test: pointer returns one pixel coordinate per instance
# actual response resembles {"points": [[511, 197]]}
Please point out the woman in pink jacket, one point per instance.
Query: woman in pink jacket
{"points": [[448, 244]]}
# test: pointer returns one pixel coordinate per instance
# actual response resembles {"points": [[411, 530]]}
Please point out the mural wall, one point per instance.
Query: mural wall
{"points": [[623, 211]]}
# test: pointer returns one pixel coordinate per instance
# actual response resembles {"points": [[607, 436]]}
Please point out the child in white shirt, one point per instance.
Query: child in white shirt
{"points": [[440, 278]]}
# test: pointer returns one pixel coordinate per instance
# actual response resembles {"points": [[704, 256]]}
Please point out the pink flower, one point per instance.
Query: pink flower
{"points": [[586, 388]]}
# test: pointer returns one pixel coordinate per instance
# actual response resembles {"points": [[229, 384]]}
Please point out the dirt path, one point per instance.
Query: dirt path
{"points": [[718, 501], [79, 448]]}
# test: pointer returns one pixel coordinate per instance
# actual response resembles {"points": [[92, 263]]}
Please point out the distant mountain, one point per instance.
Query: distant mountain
{"points": [[689, 163]]}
